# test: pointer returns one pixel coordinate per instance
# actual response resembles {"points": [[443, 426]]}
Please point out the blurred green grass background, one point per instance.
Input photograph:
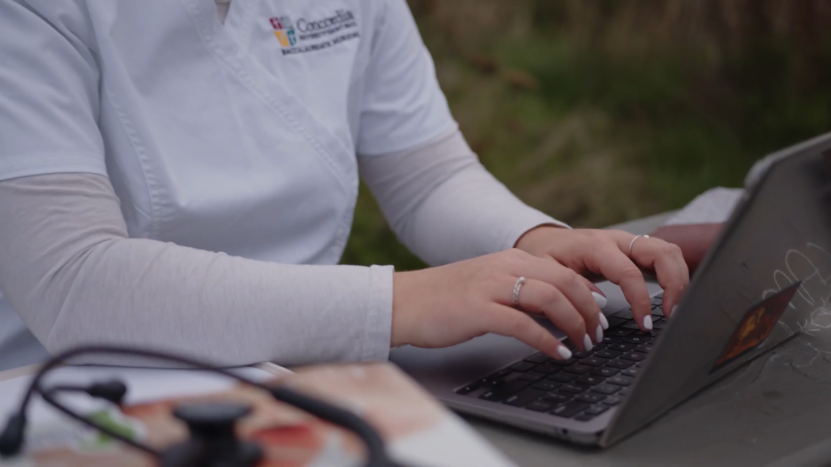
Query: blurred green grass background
{"points": [[600, 111]]}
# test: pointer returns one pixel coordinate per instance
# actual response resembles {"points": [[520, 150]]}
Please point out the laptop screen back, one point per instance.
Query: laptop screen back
{"points": [[765, 279]]}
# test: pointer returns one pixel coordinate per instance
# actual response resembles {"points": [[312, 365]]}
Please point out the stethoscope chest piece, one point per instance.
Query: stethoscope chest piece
{"points": [[213, 441]]}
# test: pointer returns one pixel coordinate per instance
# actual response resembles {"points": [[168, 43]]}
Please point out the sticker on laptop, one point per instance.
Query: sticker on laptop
{"points": [[755, 326]]}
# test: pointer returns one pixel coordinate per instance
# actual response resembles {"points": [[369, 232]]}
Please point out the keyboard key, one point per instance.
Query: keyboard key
{"points": [[607, 389], [634, 356], [614, 321], [594, 361], [590, 380], [569, 409], [607, 354], [533, 376], [605, 372], [630, 324], [569, 362], [492, 383], [468, 389], [538, 357], [613, 400], [505, 390], [547, 369], [547, 385], [523, 397], [620, 332], [657, 300], [638, 339], [660, 324], [499, 374], [620, 380], [608, 340], [573, 388], [646, 348], [597, 409], [522, 366], [562, 377], [496, 378], [620, 364], [540, 406], [584, 417], [631, 372], [581, 355], [579, 369], [622, 346], [557, 397], [590, 397]]}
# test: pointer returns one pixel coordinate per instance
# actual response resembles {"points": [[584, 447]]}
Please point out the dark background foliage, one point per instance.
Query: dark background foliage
{"points": [[599, 111]]}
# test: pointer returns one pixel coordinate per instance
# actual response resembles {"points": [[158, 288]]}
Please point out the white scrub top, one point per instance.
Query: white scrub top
{"points": [[240, 137]]}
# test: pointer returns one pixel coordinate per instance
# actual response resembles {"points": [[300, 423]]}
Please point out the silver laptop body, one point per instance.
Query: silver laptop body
{"points": [[787, 209]]}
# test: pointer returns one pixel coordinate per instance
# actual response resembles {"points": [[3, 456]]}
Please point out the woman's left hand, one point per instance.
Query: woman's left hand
{"points": [[606, 252]]}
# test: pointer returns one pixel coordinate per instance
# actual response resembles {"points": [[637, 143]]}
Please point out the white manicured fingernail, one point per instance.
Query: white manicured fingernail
{"points": [[587, 342], [672, 312], [603, 321], [564, 352], [600, 299], [599, 334], [647, 322]]}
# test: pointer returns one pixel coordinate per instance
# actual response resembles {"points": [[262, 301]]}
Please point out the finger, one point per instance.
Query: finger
{"points": [[506, 321], [668, 263], [594, 289], [543, 298], [599, 298], [573, 287], [613, 264]]}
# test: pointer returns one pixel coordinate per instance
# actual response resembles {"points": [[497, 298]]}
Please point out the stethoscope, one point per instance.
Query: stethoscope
{"points": [[212, 441]]}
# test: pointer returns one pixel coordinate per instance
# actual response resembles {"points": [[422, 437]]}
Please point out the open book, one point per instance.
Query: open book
{"points": [[418, 431]]}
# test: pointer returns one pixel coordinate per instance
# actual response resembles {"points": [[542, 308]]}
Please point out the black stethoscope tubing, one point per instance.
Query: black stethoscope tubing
{"points": [[376, 452]]}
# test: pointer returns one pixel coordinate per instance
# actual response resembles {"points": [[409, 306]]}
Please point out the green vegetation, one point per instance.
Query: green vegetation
{"points": [[599, 111]]}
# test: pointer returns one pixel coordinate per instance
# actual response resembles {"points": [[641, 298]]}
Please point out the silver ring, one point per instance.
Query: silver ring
{"points": [[632, 243], [517, 288]]}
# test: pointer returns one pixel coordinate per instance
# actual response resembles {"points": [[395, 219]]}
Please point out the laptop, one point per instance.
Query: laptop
{"points": [[764, 276]]}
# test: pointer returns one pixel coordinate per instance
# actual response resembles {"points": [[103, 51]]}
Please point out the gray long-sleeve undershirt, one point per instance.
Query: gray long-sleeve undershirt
{"points": [[70, 271]]}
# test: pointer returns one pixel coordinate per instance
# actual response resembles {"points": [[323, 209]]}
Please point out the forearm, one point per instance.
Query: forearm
{"points": [[444, 205], [69, 270]]}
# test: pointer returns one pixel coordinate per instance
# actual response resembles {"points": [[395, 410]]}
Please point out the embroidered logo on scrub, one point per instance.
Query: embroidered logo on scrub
{"points": [[313, 34], [284, 31]]}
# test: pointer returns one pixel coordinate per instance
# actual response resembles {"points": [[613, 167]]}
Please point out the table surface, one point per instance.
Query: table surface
{"points": [[774, 411]]}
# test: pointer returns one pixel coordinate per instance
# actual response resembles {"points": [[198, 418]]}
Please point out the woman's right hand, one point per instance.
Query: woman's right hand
{"points": [[447, 305]]}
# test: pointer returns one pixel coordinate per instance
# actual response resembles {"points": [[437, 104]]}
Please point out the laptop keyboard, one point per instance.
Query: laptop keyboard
{"points": [[582, 387]]}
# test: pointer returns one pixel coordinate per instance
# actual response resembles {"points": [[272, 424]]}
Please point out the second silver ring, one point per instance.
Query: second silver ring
{"points": [[517, 288], [632, 243]]}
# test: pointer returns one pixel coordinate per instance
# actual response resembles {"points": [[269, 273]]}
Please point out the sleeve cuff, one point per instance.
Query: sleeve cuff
{"points": [[524, 221], [378, 328]]}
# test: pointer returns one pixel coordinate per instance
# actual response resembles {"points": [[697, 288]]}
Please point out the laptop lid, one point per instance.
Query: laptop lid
{"points": [[760, 282]]}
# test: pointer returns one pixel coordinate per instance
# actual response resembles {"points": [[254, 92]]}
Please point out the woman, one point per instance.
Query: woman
{"points": [[182, 175]]}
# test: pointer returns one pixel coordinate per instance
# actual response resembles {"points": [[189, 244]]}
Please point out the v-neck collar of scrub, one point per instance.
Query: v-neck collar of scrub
{"points": [[230, 50]]}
